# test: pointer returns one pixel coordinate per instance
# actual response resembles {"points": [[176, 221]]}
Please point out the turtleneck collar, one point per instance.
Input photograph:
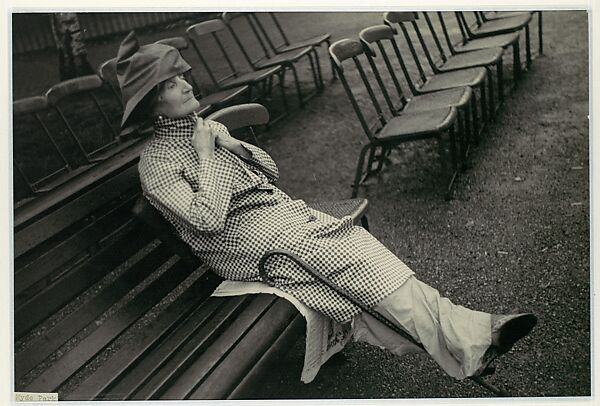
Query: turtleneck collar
{"points": [[182, 127]]}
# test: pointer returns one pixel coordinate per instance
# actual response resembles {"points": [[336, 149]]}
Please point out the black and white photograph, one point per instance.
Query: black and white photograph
{"points": [[300, 204]]}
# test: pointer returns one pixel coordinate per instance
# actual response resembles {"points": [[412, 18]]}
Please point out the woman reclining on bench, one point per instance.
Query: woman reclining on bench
{"points": [[219, 195]]}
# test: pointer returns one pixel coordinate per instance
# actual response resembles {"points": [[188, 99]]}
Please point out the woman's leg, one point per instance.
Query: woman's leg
{"points": [[454, 336]]}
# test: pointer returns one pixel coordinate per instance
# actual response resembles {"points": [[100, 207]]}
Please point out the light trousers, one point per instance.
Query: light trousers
{"points": [[454, 336]]}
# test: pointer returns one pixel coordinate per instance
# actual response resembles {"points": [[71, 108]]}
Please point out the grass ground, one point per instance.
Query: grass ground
{"points": [[515, 236]]}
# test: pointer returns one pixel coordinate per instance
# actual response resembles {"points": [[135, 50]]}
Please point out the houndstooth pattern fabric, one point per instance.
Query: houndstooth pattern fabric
{"points": [[228, 210]]}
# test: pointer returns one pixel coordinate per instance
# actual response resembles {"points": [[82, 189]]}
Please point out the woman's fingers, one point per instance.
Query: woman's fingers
{"points": [[203, 139]]}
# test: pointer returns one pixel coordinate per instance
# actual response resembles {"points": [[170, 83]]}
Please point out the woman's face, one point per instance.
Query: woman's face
{"points": [[176, 98]]}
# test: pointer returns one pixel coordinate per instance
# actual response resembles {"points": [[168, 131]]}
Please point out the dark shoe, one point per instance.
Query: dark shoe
{"points": [[506, 331]]}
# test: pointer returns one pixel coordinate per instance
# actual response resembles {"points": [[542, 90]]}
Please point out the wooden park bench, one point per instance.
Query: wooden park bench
{"points": [[110, 305]]}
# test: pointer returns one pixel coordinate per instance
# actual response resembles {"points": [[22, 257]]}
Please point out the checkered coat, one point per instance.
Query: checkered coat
{"points": [[230, 213]]}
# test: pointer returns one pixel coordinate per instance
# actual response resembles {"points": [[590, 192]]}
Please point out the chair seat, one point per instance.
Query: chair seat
{"points": [[223, 96], [314, 41], [502, 25], [448, 80], [506, 14], [482, 57], [250, 78], [285, 58], [503, 41], [456, 97], [417, 125]]}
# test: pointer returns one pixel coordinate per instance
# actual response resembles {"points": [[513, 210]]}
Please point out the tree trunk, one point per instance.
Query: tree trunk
{"points": [[72, 55]]}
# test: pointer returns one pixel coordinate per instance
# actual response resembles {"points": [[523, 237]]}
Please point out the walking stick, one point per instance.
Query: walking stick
{"points": [[358, 303]]}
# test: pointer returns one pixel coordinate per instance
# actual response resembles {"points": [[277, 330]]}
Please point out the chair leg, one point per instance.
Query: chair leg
{"points": [[297, 82], [369, 170], [358, 173], [541, 42], [364, 221], [317, 62], [500, 78], [483, 97], [491, 95], [286, 109], [453, 148], [517, 70], [462, 113], [476, 127], [448, 178], [469, 133], [528, 47], [331, 63]]}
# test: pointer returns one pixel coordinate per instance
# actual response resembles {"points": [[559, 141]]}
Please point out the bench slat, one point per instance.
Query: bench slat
{"points": [[63, 290], [138, 351], [144, 375], [64, 252], [210, 358], [77, 320], [75, 210], [202, 337], [246, 352], [276, 351], [52, 378]]}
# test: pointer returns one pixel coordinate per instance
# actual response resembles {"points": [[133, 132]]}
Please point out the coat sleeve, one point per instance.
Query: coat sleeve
{"points": [[258, 157], [204, 210]]}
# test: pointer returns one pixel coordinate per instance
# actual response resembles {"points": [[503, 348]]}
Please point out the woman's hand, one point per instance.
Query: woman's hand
{"points": [[203, 140], [225, 140]]}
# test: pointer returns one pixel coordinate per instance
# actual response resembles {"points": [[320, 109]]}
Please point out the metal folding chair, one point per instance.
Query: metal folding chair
{"points": [[482, 29], [384, 132], [45, 153], [259, 81], [91, 115], [244, 25], [486, 58], [494, 15], [460, 97], [279, 42], [466, 45], [426, 84]]}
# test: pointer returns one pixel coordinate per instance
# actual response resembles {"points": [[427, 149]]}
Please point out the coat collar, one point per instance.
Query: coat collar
{"points": [[182, 127]]}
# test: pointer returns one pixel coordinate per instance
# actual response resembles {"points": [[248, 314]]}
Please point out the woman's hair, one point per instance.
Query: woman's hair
{"points": [[144, 111]]}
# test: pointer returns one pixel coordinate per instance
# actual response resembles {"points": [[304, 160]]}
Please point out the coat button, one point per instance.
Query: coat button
{"points": [[312, 218]]}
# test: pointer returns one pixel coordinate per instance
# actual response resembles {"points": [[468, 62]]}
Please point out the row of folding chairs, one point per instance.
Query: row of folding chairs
{"points": [[243, 56], [75, 124], [450, 75]]}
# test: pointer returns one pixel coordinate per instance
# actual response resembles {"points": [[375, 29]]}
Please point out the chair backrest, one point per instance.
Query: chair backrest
{"points": [[273, 33], [37, 154], [89, 110], [446, 32], [242, 116], [380, 35], [434, 34], [404, 20], [348, 49], [200, 36], [245, 31]]}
